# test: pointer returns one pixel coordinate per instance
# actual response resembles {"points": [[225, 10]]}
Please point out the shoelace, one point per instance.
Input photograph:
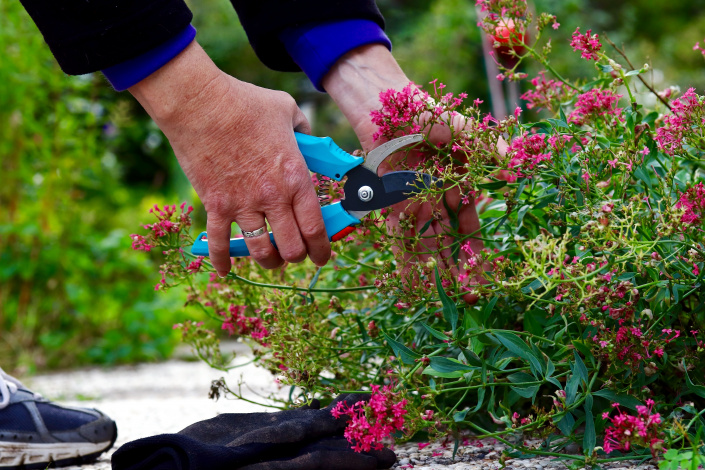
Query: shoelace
{"points": [[6, 389]]}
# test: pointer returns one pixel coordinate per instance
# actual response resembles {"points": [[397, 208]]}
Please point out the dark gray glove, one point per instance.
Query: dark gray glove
{"points": [[307, 438]]}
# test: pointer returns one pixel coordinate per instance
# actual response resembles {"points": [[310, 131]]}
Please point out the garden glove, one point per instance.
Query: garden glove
{"points": [[306, 438]]}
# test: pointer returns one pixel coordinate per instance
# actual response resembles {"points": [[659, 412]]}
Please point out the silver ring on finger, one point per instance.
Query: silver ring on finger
{"points": [[254, 233]]}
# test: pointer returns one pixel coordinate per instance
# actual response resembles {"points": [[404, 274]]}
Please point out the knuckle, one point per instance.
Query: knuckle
{"points": [[294, 254], [287, 100], [313, 231], [216, 205], [267, 191], [261, 253]]}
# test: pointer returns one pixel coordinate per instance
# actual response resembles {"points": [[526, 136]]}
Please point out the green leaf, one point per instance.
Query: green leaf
{"points": [[550, 368], [558, 123], [406, 355], [566, 424], [480, 400], [535, 286], [445, 375], [624, 400], [584, 350], [519, 377], [589, 438], [631, 73], [492, 214], [521, 213], [534, 321], [526, 392], [492, 185], [630, 121], [696, 389], [435, 332], [460, 415], [425, 227], [519, 348], [571, 388], [626, 276], [447, 365], [603, 142], [487, 311], [450, 310], [580, 369], [639, 173], [605, 68], [473, 359], [315, 278]]}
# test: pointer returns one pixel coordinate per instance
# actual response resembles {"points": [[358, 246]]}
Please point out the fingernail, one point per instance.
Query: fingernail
{"points": [[222, 275]]}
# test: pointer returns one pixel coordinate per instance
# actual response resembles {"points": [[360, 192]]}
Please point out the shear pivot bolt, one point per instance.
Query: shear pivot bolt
{"points": [[365, 193]]}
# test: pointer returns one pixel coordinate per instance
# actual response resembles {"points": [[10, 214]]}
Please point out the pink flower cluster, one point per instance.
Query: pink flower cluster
{"points": [[697, 47], [409, 110], [588, 44], [526, 152], [545, 92], [693, 201], [503, 8], [372, 422], [399, 109], [643, 430], [685, 113], [595, 102], [163, 226], [237, 323], [195, 265]]}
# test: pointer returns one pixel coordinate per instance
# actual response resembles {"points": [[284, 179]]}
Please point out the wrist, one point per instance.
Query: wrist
{"points": [[170, 92], [357, 78]]}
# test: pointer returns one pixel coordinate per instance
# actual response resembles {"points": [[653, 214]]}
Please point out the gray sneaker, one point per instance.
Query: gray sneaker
{"points": [[36, 434]]}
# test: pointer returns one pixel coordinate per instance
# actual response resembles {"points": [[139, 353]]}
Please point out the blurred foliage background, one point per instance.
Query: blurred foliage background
{"points": [[80, 164]]}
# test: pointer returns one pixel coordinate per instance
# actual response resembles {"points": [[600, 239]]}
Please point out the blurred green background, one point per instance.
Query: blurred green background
{"points": [[81, 164]]}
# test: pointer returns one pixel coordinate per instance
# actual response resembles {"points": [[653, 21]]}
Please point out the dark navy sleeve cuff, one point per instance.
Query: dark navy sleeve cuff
{"points": [[122, 76], [317, 47]]}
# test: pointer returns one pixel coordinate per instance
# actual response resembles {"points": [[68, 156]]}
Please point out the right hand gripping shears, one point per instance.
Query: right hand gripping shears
{"points": [[364, 190]]}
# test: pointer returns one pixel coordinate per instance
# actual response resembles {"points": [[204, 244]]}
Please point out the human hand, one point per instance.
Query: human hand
{"points": [[236, 144], [355, 83]]}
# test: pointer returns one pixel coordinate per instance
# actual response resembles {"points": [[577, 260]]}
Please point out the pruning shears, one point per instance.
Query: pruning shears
{"points": [[364, 190]]}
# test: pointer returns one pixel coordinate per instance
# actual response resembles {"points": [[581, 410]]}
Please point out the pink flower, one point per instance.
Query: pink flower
{"points": [[595, 102], [625, 431], [399, 109], [546, 93], [372, 422], [693, 203], [676, 126], [527, 152], [140, 243], [589, 45], [195, 265]]}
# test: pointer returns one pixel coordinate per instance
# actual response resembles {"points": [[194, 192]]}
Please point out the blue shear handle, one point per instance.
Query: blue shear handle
{"points": [[238, 248], [336, 219], [324, 157], [334, 216]]}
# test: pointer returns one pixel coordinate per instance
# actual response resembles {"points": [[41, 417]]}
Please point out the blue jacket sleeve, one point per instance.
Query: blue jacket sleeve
{"points": [[316, 47], [122, 76]]}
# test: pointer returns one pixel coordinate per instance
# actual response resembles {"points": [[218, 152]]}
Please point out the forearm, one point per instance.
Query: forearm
{"points": [[356, 80], [166, 93]]}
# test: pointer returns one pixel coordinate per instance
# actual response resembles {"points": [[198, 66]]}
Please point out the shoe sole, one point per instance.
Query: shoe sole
{"points": [[23, 456]]}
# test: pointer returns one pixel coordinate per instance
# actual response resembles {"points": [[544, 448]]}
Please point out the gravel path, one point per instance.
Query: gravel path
{"points": [[151, 399]]}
